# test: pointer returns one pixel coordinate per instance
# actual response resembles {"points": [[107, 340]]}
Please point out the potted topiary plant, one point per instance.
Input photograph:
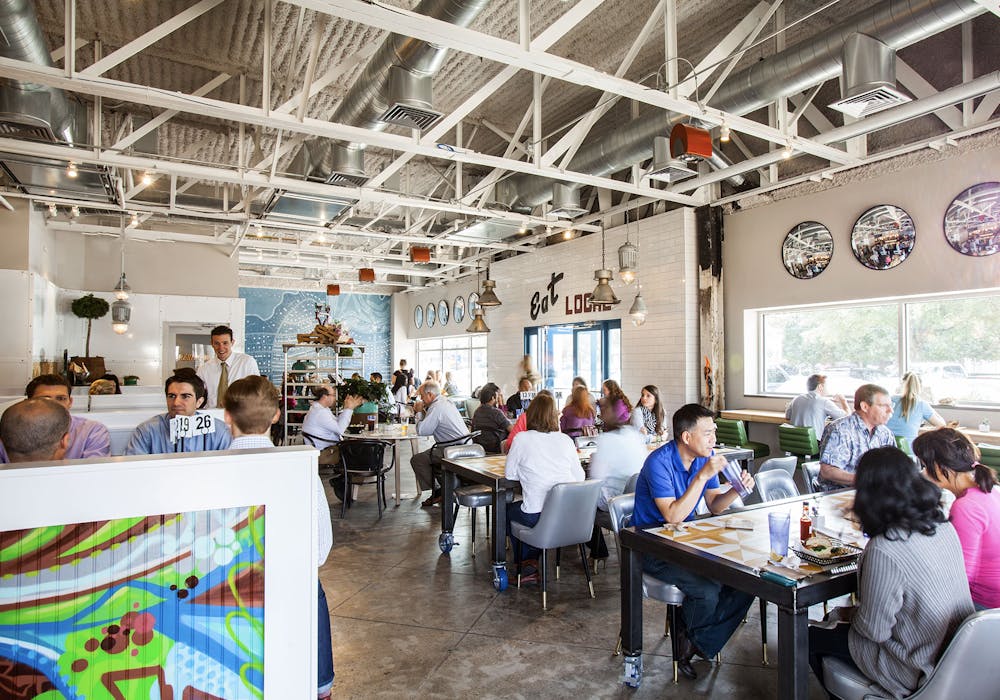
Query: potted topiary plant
{"points": [[372, 393], [90, 307], [130, 380]]}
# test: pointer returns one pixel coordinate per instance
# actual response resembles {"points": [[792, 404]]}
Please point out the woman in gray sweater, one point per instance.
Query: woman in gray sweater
{"points": [[912, 589]]}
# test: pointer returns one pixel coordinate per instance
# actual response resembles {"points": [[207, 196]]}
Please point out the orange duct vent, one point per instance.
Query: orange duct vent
{"points": [[333, 290], [688, 142], [366, 274], [419, 254]]}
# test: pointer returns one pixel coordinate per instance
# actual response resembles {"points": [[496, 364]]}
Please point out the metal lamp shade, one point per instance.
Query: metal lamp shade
{"points": [[489, 297], [121, 314], [603, 296], [478, 325], [366, 274], [420, 254], [628, 261], [122, 289], [333, 290], [637, 311]]}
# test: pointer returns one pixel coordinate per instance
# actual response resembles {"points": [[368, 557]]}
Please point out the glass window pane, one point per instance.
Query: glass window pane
{"points": [[852, 346], [478, 368], [558, 369], [952, 343], [458, 341], [590, 356], [614, 355]]}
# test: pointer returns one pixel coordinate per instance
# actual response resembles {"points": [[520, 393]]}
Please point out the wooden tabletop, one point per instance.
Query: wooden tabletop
{"points": [[755, 415]]}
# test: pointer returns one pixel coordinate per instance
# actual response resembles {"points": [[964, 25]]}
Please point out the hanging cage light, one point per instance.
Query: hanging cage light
{"points": [[121, 310], [628, 258]]}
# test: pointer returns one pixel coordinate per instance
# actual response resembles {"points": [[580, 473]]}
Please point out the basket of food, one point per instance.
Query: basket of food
{"points": [[824, 551]]}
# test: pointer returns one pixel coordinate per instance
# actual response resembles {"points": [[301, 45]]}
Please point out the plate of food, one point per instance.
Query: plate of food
{"points": [[823, 550]]}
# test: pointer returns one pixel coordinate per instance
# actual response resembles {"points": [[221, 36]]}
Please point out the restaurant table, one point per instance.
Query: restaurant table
{"points": [[754, 415], [735, 558], [394, 433], [489, 471]]}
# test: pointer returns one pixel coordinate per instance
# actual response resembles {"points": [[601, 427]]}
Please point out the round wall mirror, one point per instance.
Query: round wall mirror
{"points": [[473, 303], [807, 250], [883, 237], [443, 312], [418, 317], [972, 221], [430, 314], [458, 309]]}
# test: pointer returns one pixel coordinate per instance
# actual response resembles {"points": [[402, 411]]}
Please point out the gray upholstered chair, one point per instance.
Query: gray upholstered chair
{"points": [[787, 464], [966, 668], [472, 495], [585, 441], [776, 484], [567, 518], [620, 508], [630, 484], [810, 475]]}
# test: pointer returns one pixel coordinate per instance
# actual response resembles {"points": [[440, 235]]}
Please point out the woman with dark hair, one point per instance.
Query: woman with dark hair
{"points": [[951, 461], [614, 396], [488, 420], [649, 411], [912, 589], [579, 413], [540, 458]]}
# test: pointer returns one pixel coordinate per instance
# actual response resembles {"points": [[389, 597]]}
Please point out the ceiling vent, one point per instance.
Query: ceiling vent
{"points": [[566, 201], [664, 167], [410, 101], [868, 79], [348, 167]]}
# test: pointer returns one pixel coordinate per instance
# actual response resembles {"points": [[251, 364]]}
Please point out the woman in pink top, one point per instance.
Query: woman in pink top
{"points": [[952, 462]]}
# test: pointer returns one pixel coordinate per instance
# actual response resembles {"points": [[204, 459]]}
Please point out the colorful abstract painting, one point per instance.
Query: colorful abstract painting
{"points": [[275, 316], [165, 607]]}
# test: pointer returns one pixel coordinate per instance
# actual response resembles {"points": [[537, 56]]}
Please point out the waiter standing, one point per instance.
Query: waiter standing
{"points": [[226, 367]]}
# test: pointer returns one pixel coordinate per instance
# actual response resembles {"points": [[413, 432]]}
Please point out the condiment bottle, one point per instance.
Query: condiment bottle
{"points": [[805, 523]]}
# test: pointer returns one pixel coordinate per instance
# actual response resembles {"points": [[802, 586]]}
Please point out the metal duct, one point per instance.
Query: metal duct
{"points": [[23, 104], [367, 100], [896, 23], [868, 78]]}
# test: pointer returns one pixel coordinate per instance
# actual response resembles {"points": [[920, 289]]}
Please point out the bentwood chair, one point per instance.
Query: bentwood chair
{"points": [[361, 459], [473, 496], [967, 668], [567, 519], [799, 441], [733, 433]]}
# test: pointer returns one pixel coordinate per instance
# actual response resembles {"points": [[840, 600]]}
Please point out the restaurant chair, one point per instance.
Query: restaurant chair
{"points": [[438, 448], [904, 444], [733, 433], [990, 456], [567, 519], [775, 484], [631, 483], [604, 518], [785, 464], [362, 459], [472, 496], [799, 441], [810, 476], [967, 668], [585, 441]]}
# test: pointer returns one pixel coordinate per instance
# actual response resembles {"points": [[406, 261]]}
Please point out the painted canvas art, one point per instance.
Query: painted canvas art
{"points": [[164, 606]]}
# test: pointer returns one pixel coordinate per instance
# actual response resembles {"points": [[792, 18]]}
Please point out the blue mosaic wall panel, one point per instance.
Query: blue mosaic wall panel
{"points": [[275, 316]]}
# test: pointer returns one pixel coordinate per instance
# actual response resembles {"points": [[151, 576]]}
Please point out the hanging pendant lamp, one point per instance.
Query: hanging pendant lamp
{"points": [[603, 297], [637, 312], [628, 258], [478, 325], [121, 310]]}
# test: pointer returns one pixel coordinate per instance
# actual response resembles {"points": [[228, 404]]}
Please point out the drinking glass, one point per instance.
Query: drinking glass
{"points": [[777, 527]]}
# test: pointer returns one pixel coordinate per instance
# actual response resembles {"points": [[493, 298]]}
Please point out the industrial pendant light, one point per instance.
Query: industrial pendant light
{"points": [[121, 310], [489, 297], [628, 258], [478, 325], [637, 312], [603, 297]]}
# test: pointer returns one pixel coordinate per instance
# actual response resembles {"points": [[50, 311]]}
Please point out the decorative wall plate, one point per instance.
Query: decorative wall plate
{"points": [[473, 303], [443, 312], [418, 317], [430, 314], [458, 309]]}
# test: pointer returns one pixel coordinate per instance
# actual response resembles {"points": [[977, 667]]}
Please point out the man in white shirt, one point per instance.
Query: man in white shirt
{"points": [[813, 407], [225, 368], [321, 428], [440, 418]]}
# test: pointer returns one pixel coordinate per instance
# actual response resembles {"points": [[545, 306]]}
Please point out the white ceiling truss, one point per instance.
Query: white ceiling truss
{"points": [[525, 88]]}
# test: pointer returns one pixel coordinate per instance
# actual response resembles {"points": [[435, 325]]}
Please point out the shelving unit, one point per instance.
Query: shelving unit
{"points": [[308, 365]]}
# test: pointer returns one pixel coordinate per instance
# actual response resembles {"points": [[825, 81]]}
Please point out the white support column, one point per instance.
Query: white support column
{"points": [[670, 45], [967, 111], [536, 114], [459, 189], [266, 77], [69, 37]]}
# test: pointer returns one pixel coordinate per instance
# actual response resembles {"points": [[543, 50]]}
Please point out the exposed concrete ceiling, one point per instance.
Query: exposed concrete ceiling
{"points": [[224, 81]]}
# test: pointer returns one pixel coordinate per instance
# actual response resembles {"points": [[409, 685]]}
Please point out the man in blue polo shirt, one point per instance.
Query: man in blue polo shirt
{"points": [[673, 481]]}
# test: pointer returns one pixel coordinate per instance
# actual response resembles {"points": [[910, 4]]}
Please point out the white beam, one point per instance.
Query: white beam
{"points": [[991, 5], [445, 34], [166, 116], [149, 38], [915, 83], [228, 111]]}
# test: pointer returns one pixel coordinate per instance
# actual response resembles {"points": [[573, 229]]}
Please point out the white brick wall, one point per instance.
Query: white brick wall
{"points": [[664, 351]]}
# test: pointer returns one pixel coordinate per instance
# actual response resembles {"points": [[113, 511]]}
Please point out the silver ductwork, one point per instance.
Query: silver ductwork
{"points": [[27, 109], [896, 23], [868, 78]]}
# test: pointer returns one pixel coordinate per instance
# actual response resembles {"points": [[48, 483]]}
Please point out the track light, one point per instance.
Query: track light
{"points": [[258, 230], [71, 169], [786, 153], [147, 178], [134, 223], [53, 211], [74, 211], [567, 234], [724, 133]]}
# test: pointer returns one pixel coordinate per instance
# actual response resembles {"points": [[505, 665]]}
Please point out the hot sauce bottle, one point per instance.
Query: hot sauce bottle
{"points": [[805, 523]]}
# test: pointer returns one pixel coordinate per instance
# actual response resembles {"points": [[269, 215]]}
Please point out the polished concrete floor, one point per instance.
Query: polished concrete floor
{"points": [[409, 621]]}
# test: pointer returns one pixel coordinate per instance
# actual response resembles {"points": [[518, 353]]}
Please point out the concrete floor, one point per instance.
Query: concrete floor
{"points": [[410, 621]]}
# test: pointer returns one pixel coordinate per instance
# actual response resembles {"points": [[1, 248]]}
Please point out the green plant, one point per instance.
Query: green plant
{"points": [[130, 379], [90, 307], [369, 391], [345, 351]]}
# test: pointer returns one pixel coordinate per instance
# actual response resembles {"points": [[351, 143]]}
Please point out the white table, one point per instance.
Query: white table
{"points": [[394, 433]]}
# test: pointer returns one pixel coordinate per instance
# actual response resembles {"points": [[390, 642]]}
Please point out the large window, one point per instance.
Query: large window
{"points": [[952, 342], [463, 356], [591, 350]]}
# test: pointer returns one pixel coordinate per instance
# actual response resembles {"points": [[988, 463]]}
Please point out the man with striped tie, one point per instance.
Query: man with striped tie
{"points": [[226, 367]]}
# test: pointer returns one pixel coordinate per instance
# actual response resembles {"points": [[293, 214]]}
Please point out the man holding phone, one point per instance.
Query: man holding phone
{"points": [[673, 481]]}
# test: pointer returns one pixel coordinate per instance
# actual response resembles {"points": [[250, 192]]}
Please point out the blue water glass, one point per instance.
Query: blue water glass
{"points": [[777, 527]]}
